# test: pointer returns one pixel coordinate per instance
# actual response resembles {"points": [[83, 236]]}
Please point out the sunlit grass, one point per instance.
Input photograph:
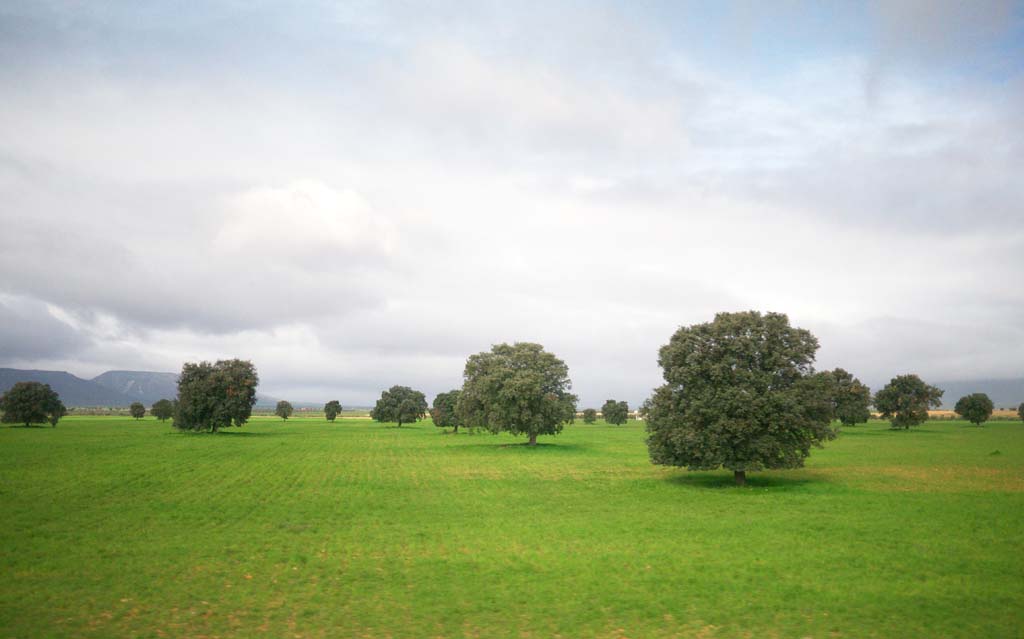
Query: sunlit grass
{"points": [[109, 527]]}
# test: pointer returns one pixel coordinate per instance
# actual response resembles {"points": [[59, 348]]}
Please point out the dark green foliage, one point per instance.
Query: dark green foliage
{"points": [[851, 400], [615, 412], [215, 396], [331, 409], [444, 412], [520, 389], [741, 394], [401, 405], [31, 403], [644, 409], [975, 408], [589, 415], [1020, 411], [905, 401], [137, 410], [284, 409], [162, 409]]}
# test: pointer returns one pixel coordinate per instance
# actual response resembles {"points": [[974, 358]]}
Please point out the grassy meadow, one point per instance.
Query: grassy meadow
{"points": [[111, 527]]}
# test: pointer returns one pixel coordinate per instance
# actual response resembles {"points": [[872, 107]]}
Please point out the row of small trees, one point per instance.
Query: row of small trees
{"points": [[740, 393], [162, 409], [613, 412], [515, 388]]}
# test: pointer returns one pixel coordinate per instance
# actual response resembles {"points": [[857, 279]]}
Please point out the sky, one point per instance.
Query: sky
{"points": [[356, 195]]}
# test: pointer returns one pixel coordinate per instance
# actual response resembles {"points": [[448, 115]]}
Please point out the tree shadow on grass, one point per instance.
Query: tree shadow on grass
{"points": [[755, 481], [542, 448], [229, 433], [853, 431]]}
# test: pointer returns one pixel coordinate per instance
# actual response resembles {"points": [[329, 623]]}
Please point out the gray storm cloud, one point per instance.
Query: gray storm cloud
{"points": [[358, 197]]}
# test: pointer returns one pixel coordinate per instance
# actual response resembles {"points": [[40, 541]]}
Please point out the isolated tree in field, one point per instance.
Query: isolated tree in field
{"points": [[331, 409], [401, 405], [31, 403], [905, 401], [615, 412], [215, 396], [1020, 411], [851, 400], [740, 393], [443, 413], [162, 409], [284, 409], [975, 408], [520, 389], [137, 410], [589, 415]]}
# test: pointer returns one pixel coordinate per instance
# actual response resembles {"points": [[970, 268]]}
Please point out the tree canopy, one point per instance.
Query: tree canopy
{"points": [[851, 400], [137, 410], [331, 409], [741, 394], [31, 403], [215, 396], [284, 409], [589, 415], [444, 412], [1020, 411], [520, 389], [162, 409], [615, 412], [400, 405], [975, 408], [905, 401]]}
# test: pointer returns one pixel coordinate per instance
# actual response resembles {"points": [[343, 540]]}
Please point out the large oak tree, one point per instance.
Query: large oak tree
{"points": [[31, 403], [284, 409], [975, 408], [615, 412], [851, 400], [741, 394], [215, 396], [162, 409], [137, 410], [331, 409], [444, 411], [400, 405], [905, 401], [519, 389]]}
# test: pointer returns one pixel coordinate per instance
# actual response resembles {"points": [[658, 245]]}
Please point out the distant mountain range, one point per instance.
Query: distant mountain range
{"points": [[140, 386], [121, 388], [113, 388]]}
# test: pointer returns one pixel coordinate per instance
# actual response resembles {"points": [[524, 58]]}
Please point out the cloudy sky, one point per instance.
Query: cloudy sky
{"points": [[361, 194]]}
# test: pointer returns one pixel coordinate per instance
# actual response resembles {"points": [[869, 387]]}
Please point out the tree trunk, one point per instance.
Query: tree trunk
{"points": [[533, 439], [456, 431], [740, 476]]}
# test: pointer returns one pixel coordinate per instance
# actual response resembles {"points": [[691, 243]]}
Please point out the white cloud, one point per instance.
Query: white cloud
{"points": [[305, 220], [366, 199]]}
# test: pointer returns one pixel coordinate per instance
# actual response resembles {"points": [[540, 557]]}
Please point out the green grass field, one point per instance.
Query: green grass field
{"points": [[111, 528]]}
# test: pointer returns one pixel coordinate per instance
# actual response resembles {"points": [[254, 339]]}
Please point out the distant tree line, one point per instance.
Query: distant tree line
{"points": [[740, 393]]}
